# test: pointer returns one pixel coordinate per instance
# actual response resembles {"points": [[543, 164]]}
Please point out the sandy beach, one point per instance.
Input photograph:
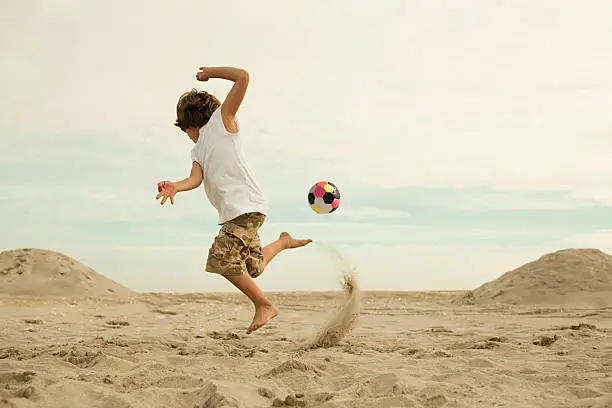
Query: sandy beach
{"points": [[436, 349]]}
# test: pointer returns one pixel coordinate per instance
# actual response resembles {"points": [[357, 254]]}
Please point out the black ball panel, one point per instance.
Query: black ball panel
{"points": [[336, 191], [328, 198], [311, 198]]}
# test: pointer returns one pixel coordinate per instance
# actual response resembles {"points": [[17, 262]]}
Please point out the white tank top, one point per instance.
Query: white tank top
{"points": [[228, 181]]}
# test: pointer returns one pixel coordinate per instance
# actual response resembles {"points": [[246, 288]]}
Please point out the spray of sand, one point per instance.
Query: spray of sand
{"points": [[345, 318]]}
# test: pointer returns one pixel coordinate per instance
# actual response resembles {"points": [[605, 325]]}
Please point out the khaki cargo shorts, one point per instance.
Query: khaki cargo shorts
{"points": [[237, 249]]}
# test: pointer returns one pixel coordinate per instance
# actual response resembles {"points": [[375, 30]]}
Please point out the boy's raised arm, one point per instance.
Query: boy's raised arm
{"points": [[235, 96]]}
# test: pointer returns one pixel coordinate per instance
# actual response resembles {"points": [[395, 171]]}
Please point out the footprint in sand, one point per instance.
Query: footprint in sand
{"points": [[33, 321], [289, 366], [12, 379], [435, 401], [381, 385], [545, 341], [217, 335], [480, 363], [585, 392], [115, 324], [164, 312]]}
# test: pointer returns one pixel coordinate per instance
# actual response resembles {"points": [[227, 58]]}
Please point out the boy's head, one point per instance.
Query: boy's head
{"points": [[194, 109]]}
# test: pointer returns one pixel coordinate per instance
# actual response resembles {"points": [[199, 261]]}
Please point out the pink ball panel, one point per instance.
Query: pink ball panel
{"points": [[319, 191]]}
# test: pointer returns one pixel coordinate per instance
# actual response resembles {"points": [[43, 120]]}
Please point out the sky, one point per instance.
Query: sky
{"points": [[466, 137]]}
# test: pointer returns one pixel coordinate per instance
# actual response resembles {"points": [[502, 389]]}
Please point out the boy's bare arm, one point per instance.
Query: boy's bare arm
{"points": [[235, 96], [168, 189], [194, 179]]}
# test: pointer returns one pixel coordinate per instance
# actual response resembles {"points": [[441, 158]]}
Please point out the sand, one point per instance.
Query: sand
{"points": [[575, 276], [404, 350], [37, 272]]}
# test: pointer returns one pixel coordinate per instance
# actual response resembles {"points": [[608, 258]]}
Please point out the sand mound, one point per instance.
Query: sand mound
{"points": [[46, 273], [569, 277]]}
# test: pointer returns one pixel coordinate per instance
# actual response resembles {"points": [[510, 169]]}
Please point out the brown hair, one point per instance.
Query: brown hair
{"points": [[195, 108]]}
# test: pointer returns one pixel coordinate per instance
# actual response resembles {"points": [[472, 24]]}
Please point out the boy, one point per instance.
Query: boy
{"points": [[218, 162]]}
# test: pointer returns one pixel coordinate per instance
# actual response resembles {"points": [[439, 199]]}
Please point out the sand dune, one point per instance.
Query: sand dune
{"points": [[40, 272], [406, 350], [579, 277]]}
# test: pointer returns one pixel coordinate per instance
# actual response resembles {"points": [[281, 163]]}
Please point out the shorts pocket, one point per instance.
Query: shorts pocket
{"points": [[225, 255], [228, 247]]}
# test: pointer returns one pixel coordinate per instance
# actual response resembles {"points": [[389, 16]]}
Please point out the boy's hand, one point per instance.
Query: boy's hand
{"points": [[166, 189], [203, 75]]}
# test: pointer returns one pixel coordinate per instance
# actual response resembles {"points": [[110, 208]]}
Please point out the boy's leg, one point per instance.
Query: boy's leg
{"points": [[225, 258], [284, 241], [264, 309]]}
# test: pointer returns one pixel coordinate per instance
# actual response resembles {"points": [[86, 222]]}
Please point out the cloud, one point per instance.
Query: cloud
{"points": [[387, 235], [374, 213], [520, 111], [465, 199]]}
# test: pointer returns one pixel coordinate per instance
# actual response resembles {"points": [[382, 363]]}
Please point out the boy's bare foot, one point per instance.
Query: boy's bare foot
{"points": [[263, 314], [291, 242]]}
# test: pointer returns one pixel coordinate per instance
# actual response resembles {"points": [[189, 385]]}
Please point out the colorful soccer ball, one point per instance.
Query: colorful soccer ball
{"points": [[324, 197]]}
